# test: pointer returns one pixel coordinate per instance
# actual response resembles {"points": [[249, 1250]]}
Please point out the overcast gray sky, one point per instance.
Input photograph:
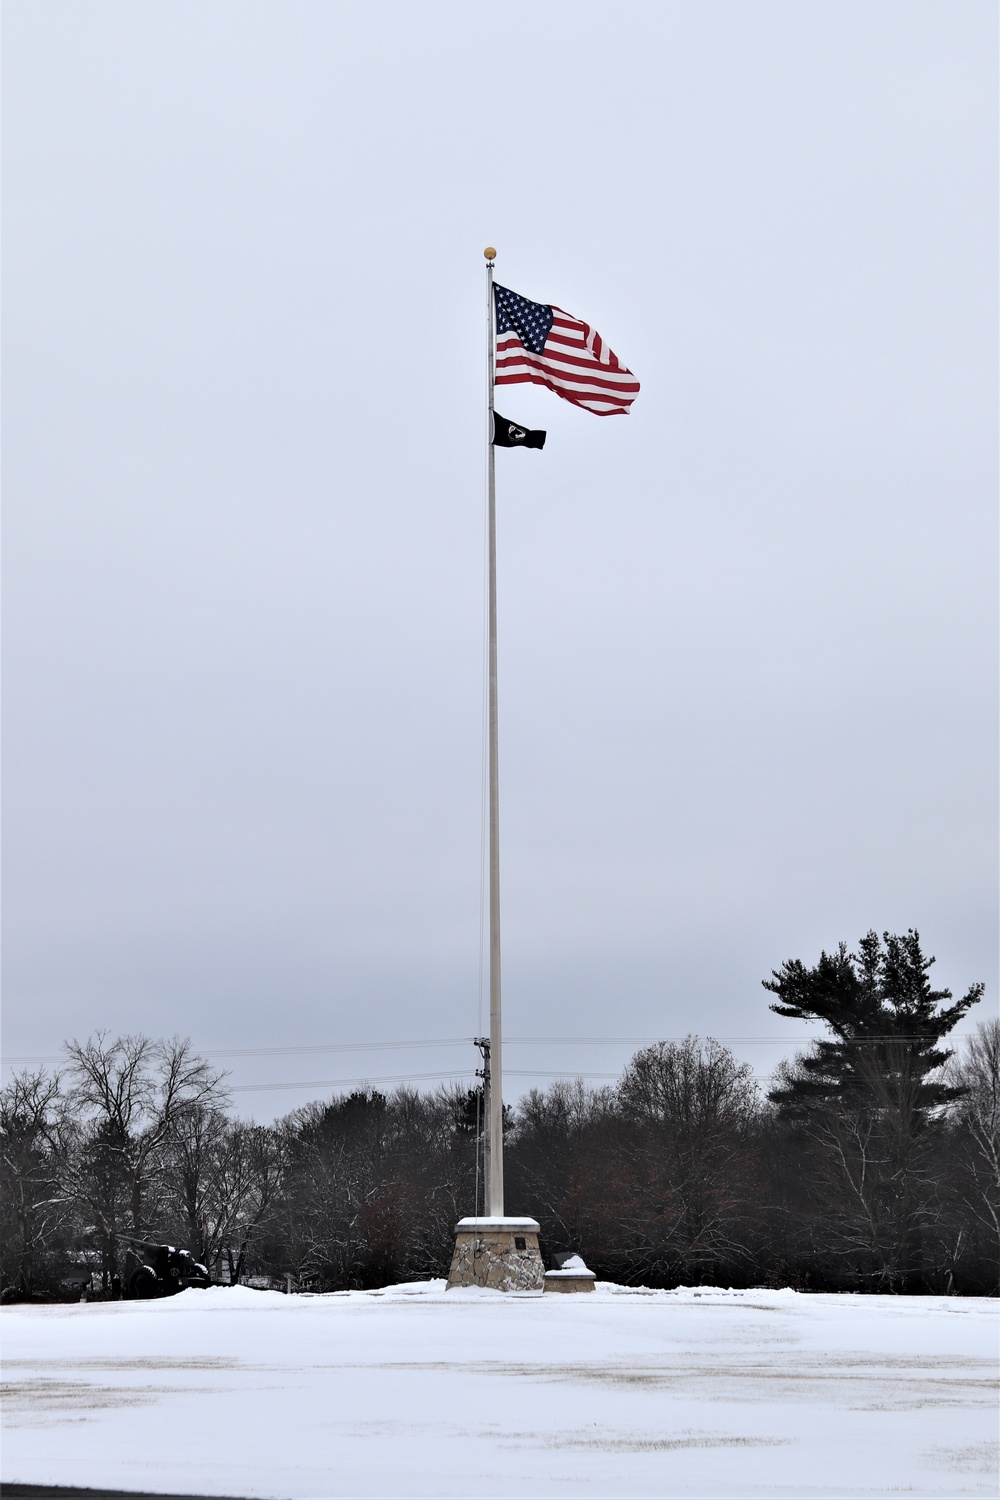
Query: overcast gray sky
{"points": [[747, 634]]}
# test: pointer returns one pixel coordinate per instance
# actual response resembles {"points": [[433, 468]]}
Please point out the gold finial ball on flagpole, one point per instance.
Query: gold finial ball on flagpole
{"points": [[490, 253]]}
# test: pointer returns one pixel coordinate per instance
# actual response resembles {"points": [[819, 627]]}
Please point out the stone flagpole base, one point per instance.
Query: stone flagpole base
{"points": [[501, 1254]]}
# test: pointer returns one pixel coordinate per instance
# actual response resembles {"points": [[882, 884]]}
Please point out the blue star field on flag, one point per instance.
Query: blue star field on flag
{"points": [[531, 321]]}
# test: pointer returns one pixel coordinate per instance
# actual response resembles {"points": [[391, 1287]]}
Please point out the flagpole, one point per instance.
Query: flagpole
{"points": [[493, 1250], [494, 1205]]}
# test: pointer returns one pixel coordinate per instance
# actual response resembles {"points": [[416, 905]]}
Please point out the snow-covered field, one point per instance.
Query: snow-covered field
{"points": [[419, 1391]]}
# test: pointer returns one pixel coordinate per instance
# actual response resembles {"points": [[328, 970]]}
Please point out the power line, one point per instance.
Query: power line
{"points": [[454, 1041], [451, 1041], [335, 1083], [311, 1048], [340, 1083], [469, 1074]]}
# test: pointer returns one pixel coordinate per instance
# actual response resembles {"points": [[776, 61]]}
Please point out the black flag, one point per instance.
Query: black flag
{"points": [[510, 435]]}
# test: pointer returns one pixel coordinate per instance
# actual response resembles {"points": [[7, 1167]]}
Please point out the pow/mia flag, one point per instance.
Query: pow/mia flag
{"points": [[511, 435]]}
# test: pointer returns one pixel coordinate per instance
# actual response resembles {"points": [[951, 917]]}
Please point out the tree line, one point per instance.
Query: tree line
{"points": [[872, 1163]]}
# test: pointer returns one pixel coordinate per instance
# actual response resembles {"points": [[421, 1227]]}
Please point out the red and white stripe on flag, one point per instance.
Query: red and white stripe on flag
{"points": [[575, 363]]}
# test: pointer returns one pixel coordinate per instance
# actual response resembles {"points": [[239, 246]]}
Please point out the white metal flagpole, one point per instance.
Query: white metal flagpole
{"points": [[494, 1250], [494, 1204]]}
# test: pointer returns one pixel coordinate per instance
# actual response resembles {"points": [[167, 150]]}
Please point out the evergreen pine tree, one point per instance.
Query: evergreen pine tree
{"points": [[866, 1106], [887, 1023]]}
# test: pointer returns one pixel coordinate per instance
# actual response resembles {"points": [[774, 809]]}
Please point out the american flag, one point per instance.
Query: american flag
{"points": [[547, 346]]}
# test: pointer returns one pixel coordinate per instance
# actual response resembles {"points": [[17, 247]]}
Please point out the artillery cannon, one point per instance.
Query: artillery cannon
{"points": [[159, 1270]]}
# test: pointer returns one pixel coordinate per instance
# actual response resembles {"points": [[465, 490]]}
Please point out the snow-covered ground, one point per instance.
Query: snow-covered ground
{"points": [[415, 1391]]}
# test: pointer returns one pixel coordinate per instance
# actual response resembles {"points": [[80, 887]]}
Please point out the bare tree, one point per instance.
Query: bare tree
{"points": [[975, 1139], [374, 1186], [251, 1171], [559, 1143], [130, 1094], [35, 1207], [196, 1148], [688, 1112]]}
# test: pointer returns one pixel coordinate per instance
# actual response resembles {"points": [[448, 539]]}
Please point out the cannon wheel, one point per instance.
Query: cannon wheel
{"points": [[142, 1284]]}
